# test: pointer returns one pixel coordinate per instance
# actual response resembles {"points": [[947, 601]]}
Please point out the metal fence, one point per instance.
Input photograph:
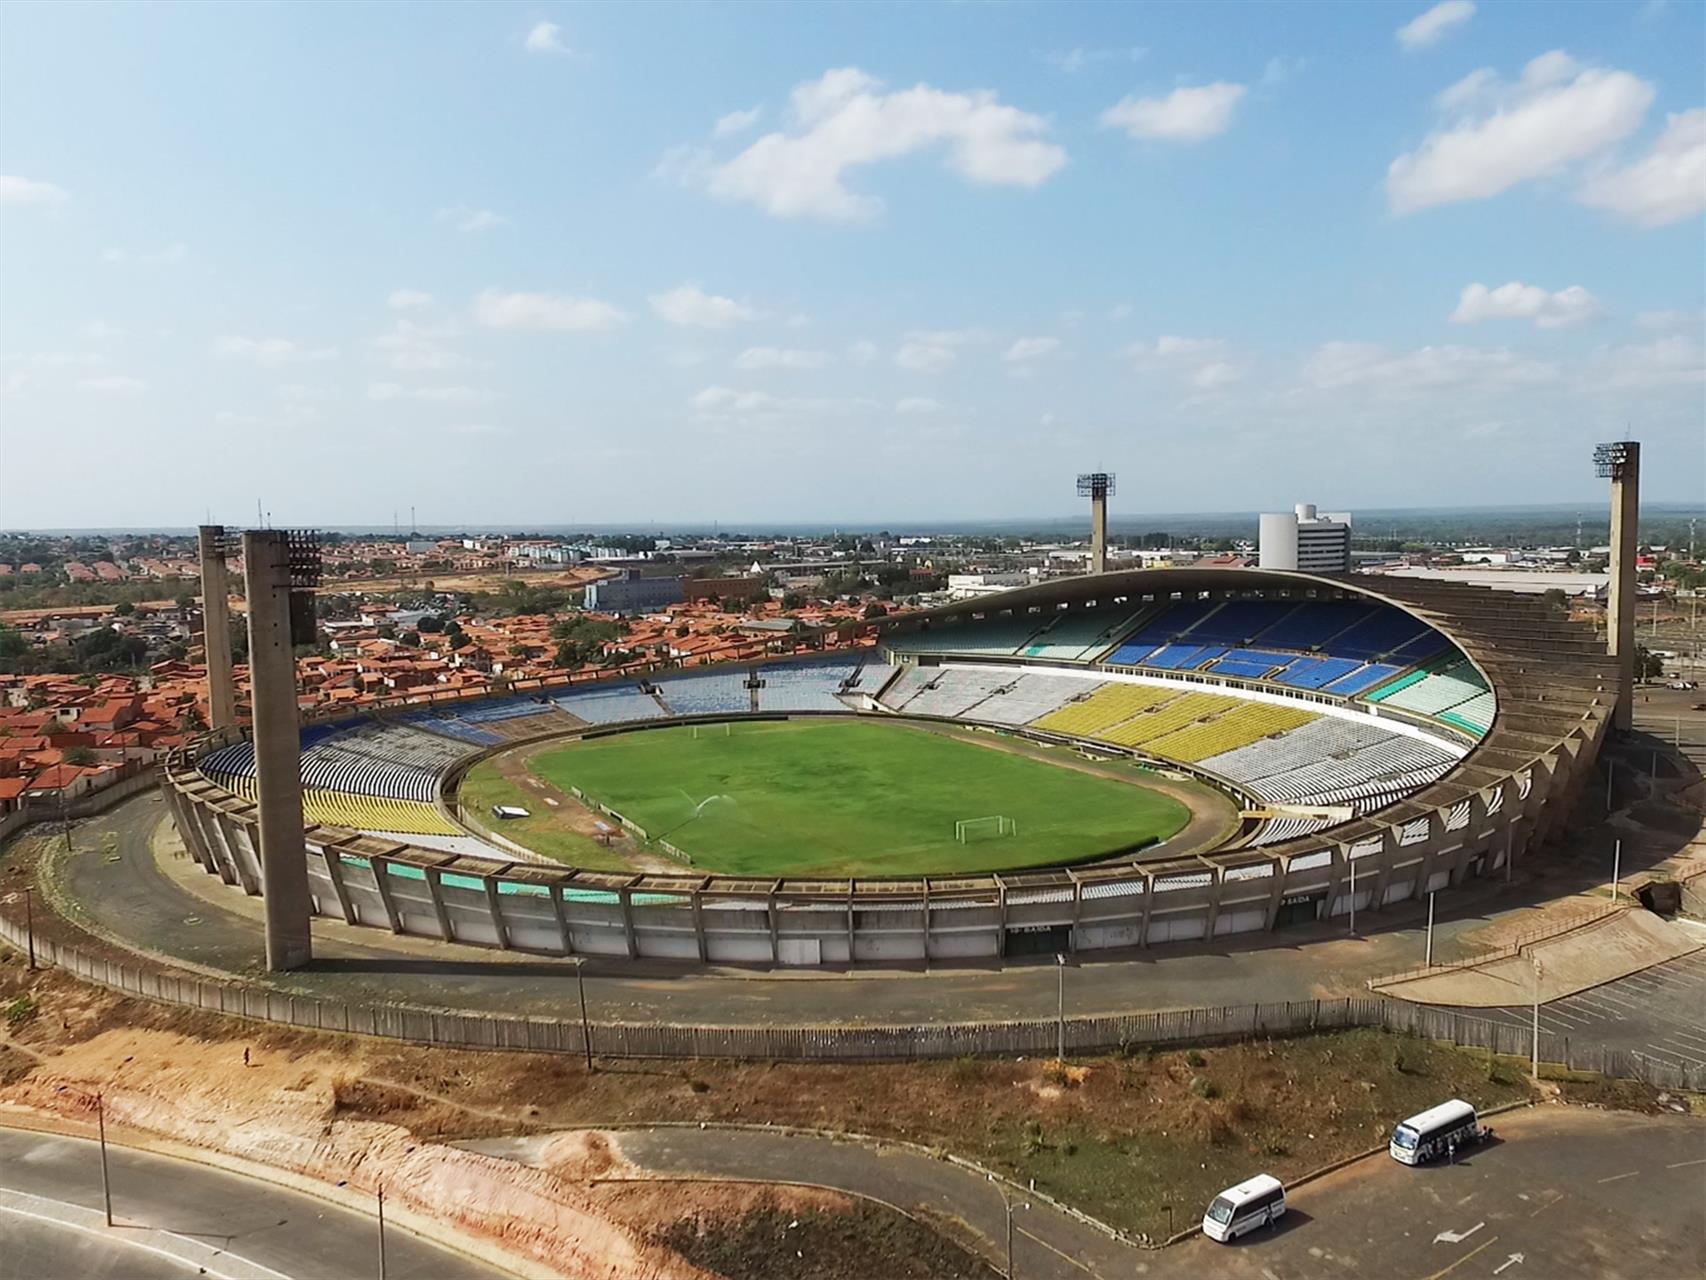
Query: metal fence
{"points": [[1034, 1036]]}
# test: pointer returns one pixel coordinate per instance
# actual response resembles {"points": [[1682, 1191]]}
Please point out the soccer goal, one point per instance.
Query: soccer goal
{"points": [[712, 730], [985, 828]]}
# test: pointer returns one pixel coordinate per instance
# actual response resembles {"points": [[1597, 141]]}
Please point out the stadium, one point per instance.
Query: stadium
{"points": [[1111, 761]]}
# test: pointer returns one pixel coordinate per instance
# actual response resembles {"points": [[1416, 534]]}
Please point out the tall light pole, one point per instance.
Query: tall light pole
{"points": [[1350, 859], [1536, 1033], [1098, 486], [586, 1027], [106, 1181], [1430, 956], [1616, 868], [1620, 462], [1060, 1007]]}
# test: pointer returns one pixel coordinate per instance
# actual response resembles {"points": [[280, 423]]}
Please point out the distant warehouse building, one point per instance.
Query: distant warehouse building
{"points": [[630, 593], [1303, 540]]}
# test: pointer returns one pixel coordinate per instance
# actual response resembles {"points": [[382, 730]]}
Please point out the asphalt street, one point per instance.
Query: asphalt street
{"points": [[175, 1218], [120, 891]]}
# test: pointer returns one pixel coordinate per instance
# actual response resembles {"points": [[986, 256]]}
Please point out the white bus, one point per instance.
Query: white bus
{"points": [[1255, 1202], [1422, 1137]]}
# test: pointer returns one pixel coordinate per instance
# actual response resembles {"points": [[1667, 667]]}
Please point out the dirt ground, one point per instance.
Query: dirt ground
{"points": [[1117, 1136]]}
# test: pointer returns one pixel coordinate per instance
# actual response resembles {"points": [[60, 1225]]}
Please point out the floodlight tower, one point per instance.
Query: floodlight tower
{"points": [[1620, 462], [1097, 486], [216, 626], [281, 568]]}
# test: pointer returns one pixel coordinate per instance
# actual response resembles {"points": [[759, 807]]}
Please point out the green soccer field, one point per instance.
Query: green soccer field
{"points": [[841, 798]]}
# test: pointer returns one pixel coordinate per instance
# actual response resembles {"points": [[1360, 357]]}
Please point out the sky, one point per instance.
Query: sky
{"points": [[571, 264]]}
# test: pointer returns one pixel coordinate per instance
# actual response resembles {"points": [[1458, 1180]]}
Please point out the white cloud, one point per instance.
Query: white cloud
{"points": [[100, 330], [862, 352], [933, 350], [450, 394], [114, 386], [408, 299], [1188, 114], [1665, 185], [1557, 115], [736, 122], [1427, 28], [1027, 350], [17, 190], [464, 218], [415, 347], [690, 306], [725, 402], [1663, 321], [479, 429], [1120, 311], [1517, 301], [1675, 361], [545, 37], [1074, 60], [780, 358], [1203, 363], [177, 251], [917, 404], [1365, 365], [271, 351], [843, 121], [556, 312]]}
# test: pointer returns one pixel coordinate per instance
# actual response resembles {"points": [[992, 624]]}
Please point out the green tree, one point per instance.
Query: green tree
{"points": [[82, 757]]}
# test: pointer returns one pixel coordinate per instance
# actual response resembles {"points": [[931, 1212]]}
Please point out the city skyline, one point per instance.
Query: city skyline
{"points": [[535, 266]]}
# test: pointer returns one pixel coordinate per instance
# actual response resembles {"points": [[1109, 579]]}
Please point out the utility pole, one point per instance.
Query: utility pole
{"points": [[1353, 865], [30, 926], [1060, 1007], [1429, 962], [1536, 1034], [1616, 869], [586, 1027], [106, 1182], [382, 1231]]}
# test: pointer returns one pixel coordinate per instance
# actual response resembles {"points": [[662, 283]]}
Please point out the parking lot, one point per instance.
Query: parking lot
{"points": [[1656, 1012], [1560, 1192]]}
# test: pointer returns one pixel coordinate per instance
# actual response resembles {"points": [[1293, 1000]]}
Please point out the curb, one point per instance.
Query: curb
{"points": [[415, 1223]]}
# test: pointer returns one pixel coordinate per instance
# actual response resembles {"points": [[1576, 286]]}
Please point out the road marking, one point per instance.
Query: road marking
{"points": [[1513, 1261], [1064, 1257], [190, 1252], [1488, 1243], [1618, 1177], [1686, 1164], [1543, 1208], [1458, 1237]]}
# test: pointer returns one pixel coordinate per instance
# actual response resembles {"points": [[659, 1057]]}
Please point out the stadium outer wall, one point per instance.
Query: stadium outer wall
{"points": [[1554, 688]]}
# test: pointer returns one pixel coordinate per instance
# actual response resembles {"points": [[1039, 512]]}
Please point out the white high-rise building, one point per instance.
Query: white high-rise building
{"points": [[1303, 540]]}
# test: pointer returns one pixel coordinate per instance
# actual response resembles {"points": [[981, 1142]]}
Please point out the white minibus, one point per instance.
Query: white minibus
{"points": [[1435, 1131], [1253, 1203]]}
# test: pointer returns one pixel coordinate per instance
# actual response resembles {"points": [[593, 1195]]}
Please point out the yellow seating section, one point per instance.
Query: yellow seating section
{"points": [[1109, 705], [1167, 718], [360, 813], [1249, 722]]}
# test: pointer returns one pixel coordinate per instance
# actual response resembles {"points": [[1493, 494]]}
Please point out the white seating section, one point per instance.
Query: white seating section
{"points": [[1080, 635], [1032, 695], [390, 761], [810, 686], [710, 693], [955, 691], [610, 705]]}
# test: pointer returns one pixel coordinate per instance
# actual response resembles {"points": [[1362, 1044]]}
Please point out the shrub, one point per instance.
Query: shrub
{"points": [[21, 1009], [1203, 1087], [1194, 1058]]}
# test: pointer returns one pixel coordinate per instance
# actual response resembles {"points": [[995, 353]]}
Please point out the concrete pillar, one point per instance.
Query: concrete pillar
{"points": [[278, 774], [1099, 534], [1620, 607], [216, 628]]}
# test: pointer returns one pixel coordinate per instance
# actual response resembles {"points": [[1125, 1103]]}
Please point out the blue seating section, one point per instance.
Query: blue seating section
{"points": [[1363, 680], [1385, 631], [1131, 654], [502, 709], [809, 686], [1171, 623], [1243, 668], [1182, 657], [1240, 621], [708, 694], [1313, 623], [451, 727], [1316, 673]]}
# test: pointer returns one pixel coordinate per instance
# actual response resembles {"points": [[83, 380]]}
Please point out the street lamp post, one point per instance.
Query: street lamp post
{"points": [[1060, 1006], [30, 926], [586, 1026], [381, 1190], [1535, 1064], [1429, 962], [106, 1182], [1616, 868], [1351, 859]]}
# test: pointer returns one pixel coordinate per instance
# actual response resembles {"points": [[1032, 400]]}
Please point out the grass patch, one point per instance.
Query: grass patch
{"points": [[544, 831], [854, 798]]}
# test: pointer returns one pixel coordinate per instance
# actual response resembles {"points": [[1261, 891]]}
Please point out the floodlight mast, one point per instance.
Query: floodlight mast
{"points": [[1620, 462], [1097, 486]]}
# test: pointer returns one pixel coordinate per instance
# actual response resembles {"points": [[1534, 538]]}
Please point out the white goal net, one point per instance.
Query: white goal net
{"points": [[985, 828]]}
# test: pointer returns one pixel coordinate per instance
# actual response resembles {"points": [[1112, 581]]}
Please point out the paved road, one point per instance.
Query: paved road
{"points": [[174, 1218], [1576, 1192], [1561, 1193], [122, 892], [1047, 1244], [1659, 1012]]}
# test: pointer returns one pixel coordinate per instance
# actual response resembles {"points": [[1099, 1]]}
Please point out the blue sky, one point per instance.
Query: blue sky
{"points": [[553, 264]]}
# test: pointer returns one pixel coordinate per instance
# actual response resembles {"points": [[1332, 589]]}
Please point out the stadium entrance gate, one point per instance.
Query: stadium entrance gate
{"points": [[1037, 939], [1301, 908]]}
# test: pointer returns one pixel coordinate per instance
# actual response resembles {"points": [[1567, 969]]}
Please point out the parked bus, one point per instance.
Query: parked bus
{"points": [[1436, 1130], [1255, 1202]]}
